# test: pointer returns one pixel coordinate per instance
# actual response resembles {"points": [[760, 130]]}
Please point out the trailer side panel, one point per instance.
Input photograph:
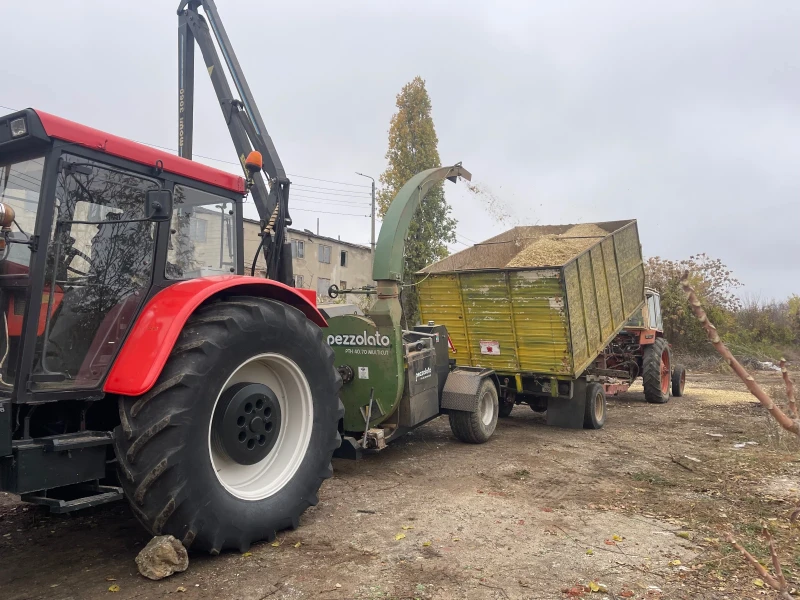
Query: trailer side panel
{"points": [[540, 321]]}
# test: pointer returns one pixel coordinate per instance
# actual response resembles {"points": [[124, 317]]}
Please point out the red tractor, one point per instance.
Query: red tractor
{"points": [[641, 350], [213, 397]]}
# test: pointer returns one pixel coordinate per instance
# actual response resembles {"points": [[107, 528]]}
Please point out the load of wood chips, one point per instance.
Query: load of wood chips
{"points": [[555, 250]]}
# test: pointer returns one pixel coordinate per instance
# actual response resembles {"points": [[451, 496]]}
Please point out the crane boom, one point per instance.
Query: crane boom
{"points": [[247, 129]]}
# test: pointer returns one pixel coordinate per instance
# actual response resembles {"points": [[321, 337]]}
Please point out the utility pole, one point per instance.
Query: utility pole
{"points": [[372, 239]]}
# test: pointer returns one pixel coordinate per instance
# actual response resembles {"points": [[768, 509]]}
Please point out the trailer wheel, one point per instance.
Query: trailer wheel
{"points": [[594, 416], [678, 380], [506, 405], [656, 371], [477, 426], [236, 437]]}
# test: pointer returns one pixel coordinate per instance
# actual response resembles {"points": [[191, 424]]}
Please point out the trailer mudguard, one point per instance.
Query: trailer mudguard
{"points": [[155, 331], [462, 386]]}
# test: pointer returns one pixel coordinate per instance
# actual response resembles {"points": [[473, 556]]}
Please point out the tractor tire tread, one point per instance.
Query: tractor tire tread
{"points": [[651, 372], [152, 436]]}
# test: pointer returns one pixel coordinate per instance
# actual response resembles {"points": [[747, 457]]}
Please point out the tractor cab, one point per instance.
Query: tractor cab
{"points": [[93, 226], [648, 317]]}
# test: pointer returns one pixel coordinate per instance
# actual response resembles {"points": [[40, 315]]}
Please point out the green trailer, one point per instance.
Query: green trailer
{"points": [[539, 305]]}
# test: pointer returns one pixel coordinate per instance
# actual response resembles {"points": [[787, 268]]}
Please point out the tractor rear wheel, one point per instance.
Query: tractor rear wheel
{"points": [[656, 372], [235, 438], [678, 380], [477, 426]]}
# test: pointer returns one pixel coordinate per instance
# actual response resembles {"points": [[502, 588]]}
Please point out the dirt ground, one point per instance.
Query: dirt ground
{"points": [[641, 507]]}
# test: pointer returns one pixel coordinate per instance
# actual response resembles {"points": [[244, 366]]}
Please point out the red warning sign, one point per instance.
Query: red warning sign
{"points": [[490, 347]]}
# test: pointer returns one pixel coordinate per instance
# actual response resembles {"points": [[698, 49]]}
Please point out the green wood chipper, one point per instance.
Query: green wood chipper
{"points": [[395, 380]]}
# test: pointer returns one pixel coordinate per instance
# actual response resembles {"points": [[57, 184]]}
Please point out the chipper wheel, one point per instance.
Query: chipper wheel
{"points": [[656, 373], [236, 437], [477, 427], [678, 380]]}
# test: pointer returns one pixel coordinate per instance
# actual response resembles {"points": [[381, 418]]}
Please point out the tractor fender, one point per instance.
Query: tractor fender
{"points": [[462, 387], [152, 336]]}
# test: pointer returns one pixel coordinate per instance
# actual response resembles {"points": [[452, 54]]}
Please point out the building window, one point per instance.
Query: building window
{"points": [[342, 285], [325, 254], [298, 249], [343, 258], [298, 281], [322, 287], [197, 230]]}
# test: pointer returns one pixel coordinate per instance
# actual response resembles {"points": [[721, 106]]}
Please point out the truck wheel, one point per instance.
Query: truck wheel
{"points": [[595, 415], [235, 438], [477, 426], [656, 372], [678, 380]]}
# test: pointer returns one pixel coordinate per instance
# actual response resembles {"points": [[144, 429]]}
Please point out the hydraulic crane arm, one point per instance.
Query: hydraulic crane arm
{"points": [[245, 125]]}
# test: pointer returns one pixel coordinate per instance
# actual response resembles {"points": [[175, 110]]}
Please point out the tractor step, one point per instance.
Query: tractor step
{"points": [[95, 495], [53, 462]]}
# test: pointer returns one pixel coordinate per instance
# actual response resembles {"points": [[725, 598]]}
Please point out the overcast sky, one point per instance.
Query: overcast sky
{"points": [[683, 115]]}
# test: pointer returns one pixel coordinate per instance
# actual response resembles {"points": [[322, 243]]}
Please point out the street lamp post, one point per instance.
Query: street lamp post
{"points": [[372, 238]]}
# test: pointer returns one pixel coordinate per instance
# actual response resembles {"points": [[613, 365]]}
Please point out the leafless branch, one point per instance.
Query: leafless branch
{"points": [[775, 584], [788, 423], [789, 390], [776, 562]]}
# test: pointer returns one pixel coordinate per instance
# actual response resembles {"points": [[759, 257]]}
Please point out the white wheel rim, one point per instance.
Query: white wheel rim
{"points": [[486, 408], [598, 407], [269, 475]]}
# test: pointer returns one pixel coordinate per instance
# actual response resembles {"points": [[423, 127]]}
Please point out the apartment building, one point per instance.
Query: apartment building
{"points": [[204, 244], [317, 261]]}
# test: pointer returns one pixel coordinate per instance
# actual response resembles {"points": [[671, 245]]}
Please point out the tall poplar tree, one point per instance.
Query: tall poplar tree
{"points": [[413, 147]]}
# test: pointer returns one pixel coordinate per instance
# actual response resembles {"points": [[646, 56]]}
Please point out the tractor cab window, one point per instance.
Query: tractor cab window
{"points": [[637, 319], [99, 267], [202, 235], [19, 188], [652, 311], [657, 322], [20, 182]]}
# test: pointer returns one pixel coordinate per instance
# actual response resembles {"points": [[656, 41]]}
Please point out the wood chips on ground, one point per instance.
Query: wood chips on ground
{"points": [[555, 250]]}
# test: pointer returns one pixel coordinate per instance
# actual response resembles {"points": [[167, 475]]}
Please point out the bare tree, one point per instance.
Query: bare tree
{"points": [[789, 423]]}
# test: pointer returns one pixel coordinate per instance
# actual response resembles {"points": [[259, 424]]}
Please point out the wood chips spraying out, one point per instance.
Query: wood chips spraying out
{"points": [[555, 250], [497, 207]]}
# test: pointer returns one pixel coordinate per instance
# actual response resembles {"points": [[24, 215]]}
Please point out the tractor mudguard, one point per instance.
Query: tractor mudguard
{"points": [[155, 331]]}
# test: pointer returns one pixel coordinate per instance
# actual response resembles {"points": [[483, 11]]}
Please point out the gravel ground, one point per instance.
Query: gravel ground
{"points": [[535, 512]]}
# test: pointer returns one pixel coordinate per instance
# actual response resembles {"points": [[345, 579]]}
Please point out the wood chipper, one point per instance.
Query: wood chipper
{"points": [[395, 380], [213, 398], [556, 311]]}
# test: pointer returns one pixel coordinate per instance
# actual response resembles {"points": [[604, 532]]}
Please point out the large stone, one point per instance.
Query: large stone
{"points": [[163, 556]]}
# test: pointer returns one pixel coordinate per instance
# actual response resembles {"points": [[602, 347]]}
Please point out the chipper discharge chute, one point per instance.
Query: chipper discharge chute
{"points": [[395, 380]]}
